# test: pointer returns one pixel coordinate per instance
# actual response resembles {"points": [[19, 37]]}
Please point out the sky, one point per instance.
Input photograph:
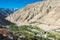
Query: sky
{"points": [[16, 3]]}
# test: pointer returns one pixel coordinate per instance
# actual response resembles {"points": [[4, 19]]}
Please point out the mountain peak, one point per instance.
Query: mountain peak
{"points": [[6, 12], [45, 12]]}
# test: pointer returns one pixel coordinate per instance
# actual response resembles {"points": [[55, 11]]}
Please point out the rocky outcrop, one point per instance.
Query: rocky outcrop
{"points": [[46, 12], [6, 35]]}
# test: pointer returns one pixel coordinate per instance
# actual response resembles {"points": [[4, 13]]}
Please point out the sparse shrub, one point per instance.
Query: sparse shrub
{"points": [[29, 32]]}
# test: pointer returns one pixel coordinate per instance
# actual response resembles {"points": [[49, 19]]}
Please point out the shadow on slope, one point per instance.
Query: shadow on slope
{"points": [[4, 12], [4, 22]]}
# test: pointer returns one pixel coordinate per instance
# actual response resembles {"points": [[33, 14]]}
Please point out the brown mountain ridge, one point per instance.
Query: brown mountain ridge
{"points": [[45, 13]]}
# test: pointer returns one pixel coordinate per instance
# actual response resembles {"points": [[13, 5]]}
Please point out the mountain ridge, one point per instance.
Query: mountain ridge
{"points": [[45, 12], [6, 12]]}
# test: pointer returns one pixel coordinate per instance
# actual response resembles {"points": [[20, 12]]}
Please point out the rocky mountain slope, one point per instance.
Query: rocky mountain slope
{"points": [[4, 22], [4, 12], [6, 35], [46, 12]]}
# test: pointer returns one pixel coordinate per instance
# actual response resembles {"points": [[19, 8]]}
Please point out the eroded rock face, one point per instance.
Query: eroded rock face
{"points": [[45, 12], [6, 35]]}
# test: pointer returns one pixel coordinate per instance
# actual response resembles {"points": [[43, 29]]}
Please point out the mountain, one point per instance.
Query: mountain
{"points": [[45, 14], [4, 22], [4, 12]]}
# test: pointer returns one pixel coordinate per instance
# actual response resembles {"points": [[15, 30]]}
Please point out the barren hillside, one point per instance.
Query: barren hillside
{"points": [[45, 13]]}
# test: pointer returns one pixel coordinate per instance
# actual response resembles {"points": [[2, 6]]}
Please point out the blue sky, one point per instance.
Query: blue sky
{"points": [[16, 3]]}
